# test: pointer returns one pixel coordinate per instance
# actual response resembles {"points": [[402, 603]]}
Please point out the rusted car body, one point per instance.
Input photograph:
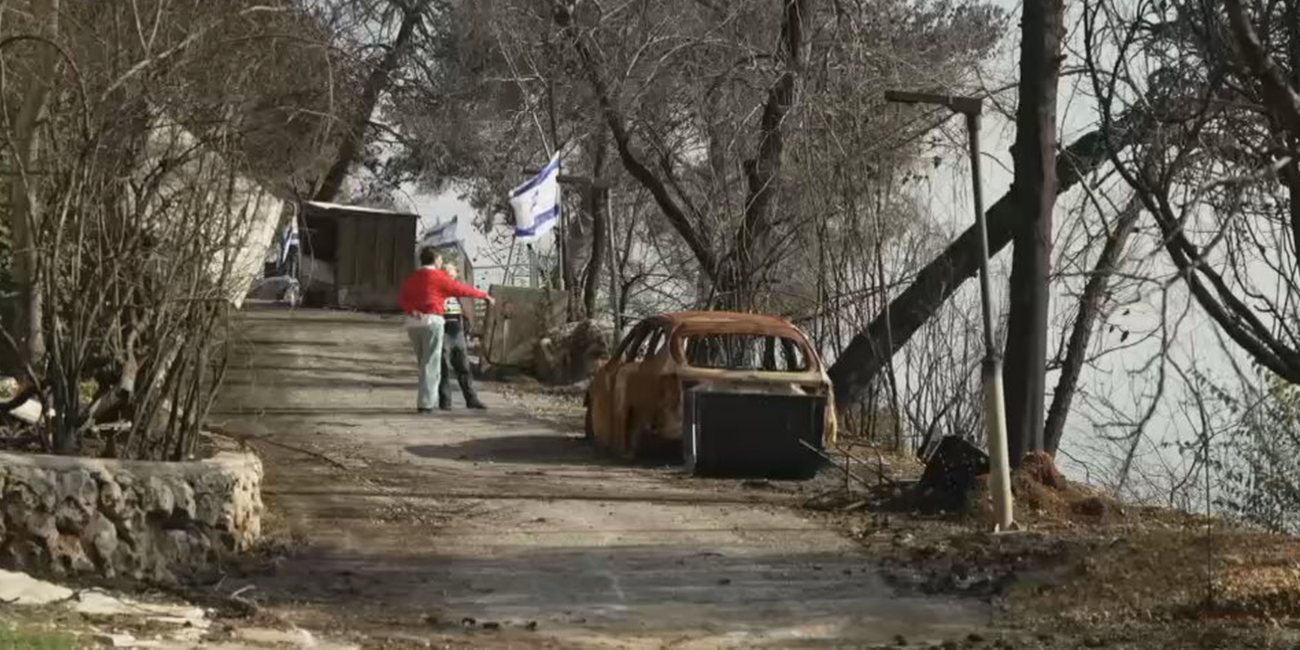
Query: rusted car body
{"points": [[635, 401]]}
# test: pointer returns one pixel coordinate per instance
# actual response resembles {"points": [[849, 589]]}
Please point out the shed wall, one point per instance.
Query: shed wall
{"points": [[375, 254]]}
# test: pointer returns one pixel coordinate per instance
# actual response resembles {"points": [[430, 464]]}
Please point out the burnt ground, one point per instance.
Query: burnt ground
{"points": [[1084, 571], [505, 529]]}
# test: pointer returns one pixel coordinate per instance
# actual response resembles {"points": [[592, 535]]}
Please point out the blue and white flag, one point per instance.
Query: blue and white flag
{"points": [[441, 235], [536, 203], [289, 239]]}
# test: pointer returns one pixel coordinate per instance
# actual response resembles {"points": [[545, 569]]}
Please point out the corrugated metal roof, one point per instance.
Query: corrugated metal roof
{"points": [[356, 209]]}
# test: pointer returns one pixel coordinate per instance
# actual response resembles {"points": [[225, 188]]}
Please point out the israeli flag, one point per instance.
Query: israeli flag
{"points": [[442, 235], [289, 240], [536, 203]]}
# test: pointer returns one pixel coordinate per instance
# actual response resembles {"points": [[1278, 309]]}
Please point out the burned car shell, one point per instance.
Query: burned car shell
{"points": [[635, 400]]}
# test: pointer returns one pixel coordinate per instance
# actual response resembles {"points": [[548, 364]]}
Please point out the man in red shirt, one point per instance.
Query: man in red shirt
{"points": [[423, 299]]}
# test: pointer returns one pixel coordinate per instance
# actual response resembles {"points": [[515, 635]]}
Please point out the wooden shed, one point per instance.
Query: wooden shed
{"points": [[355, 257]]}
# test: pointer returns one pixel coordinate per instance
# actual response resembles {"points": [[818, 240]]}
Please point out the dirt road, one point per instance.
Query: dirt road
{"points": [[473, 529]]}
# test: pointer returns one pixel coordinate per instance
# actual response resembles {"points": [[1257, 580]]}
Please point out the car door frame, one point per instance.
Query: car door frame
{"points": [[641, 387], [625, 375], [604, 402]]}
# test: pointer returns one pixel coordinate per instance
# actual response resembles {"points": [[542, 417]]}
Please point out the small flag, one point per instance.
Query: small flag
{"points": [[289, 240], [441, 235], [536, 203]]}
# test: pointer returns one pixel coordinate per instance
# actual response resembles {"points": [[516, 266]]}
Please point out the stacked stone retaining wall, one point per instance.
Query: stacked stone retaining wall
{"points": [[138, 520]]}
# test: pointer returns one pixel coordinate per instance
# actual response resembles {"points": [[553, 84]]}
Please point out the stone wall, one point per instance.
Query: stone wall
{"points": [[572, 352], [138, 520]]}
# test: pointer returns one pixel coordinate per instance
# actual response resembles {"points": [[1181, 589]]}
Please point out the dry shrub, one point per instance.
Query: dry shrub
{"points": [[150, 212]]}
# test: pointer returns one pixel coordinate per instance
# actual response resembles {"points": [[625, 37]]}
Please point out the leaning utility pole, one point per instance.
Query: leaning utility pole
{"points": [[995, 419]]}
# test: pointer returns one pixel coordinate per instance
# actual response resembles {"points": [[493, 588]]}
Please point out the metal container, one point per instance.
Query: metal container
{"points": [[739, 434]]}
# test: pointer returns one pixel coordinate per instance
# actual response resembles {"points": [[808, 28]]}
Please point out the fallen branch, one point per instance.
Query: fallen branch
{"points": [[845, 470], [880, 459]]}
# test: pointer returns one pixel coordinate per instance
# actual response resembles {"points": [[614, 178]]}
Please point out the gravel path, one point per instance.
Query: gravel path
{"points": [[504, 528]]}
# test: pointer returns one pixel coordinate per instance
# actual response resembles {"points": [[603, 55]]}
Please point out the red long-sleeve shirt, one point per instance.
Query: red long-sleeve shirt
{"points": [[426, 292]]}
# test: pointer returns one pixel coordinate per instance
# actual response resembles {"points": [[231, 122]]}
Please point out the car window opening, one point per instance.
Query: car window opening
{"points": [[643, 343], [745, 352]]}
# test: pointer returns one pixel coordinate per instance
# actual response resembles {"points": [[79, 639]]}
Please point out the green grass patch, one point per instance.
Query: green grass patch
{"points": [[13, 638]]}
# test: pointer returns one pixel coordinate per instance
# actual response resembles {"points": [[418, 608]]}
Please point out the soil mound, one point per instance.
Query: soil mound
{"points": [[956, 480]]}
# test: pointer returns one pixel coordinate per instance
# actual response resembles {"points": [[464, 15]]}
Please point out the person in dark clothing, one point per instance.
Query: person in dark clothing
{"points": [[291, 262], [455, 352], [423, 299]]}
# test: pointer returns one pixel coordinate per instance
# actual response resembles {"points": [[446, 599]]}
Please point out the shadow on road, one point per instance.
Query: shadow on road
{"points": [[545, 448], [541, 448], [298, 412], [681, 586]]}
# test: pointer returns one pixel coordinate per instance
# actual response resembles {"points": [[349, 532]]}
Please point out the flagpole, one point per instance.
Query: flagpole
{"points": [[532, 267], [616, 313]]}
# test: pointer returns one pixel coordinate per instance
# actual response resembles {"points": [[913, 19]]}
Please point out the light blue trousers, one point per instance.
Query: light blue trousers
{"points": [[426, 340]]}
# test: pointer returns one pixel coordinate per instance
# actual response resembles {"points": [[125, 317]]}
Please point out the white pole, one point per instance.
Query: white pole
{"points": [[995, 417], [995, 428]]}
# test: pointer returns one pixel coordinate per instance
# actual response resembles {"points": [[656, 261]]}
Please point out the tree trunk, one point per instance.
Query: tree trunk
{"points": [[24, 219], [1090, 303], [354, 137], [1291, 173], [596, 206], [1024, 371], [735, 281], [870, 349]]}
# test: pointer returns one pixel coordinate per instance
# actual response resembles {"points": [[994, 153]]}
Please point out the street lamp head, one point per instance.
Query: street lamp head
{"points": [[959, 104]]}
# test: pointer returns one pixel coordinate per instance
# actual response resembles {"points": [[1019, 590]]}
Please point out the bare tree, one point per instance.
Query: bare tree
{"points": [[1087, 315], [413, 18], [147, 214], [934, 284], [733, 211], [713, 109], [1215, 177]]}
